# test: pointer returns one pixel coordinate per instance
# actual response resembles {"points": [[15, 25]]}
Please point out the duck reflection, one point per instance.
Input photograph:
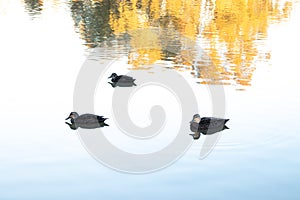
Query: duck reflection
{"points": [[206, 125], [121, 81], [120, 84], [86, 121]]}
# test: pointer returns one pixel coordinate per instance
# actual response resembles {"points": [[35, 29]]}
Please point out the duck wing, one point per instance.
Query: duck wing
{"points": [[210, 125], [205, 122], [212, 121], [124, 79], [87, 119]]}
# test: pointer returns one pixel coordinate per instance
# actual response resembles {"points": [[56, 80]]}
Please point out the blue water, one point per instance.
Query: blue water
{"points": [[41, 158]]}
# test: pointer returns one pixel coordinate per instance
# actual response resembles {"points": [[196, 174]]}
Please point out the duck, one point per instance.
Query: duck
{"points": [[88, 121], [121, 78], [206, 125]]}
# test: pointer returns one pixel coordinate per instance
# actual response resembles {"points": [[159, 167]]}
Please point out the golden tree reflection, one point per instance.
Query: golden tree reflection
{"points": [[231, 32]]}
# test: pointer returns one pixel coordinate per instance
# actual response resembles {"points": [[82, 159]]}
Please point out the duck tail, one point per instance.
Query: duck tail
{"points": [[225, 127], [104, 119], [226, 120], [101, 118]]}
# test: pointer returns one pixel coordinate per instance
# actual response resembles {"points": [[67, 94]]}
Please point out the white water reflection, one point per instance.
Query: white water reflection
{"points": [[42, 158]]}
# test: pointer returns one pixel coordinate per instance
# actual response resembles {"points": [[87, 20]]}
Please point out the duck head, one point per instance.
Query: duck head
{"points": [[113, 75], [72, 116], [196, 118]]}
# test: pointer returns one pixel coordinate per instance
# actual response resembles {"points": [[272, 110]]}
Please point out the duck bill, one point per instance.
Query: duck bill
{"points": [[68, 118], [110, 76]]}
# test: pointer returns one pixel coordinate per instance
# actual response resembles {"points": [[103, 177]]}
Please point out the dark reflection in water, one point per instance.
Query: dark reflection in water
{"points": [[92, 20], [120, 84], [196, 135], [231, 33], [33, 7], [75, 126]]}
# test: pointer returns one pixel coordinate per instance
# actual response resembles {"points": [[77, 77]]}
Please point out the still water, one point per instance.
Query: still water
{"points": [[251, 48]]}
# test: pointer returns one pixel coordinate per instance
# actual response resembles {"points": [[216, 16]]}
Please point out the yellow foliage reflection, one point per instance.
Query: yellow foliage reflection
{"points": [[230, 31], [234, 32]]}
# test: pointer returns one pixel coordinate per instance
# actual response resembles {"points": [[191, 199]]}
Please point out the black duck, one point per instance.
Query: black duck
{"points": [[206, 125]]}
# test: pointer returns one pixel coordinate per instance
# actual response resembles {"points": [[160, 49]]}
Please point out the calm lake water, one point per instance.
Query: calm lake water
{"points": [[251, 48]]}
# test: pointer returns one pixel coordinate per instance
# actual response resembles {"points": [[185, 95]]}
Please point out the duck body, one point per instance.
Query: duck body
{"points": [[87, 121], [121, 78], [207, 125]]}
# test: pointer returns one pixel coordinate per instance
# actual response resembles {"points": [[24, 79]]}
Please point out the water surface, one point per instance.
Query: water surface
{"points": [[250, 47]]}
